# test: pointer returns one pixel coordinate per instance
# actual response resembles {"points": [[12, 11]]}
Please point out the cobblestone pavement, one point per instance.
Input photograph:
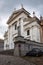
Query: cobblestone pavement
{"points": [[11, 60]]}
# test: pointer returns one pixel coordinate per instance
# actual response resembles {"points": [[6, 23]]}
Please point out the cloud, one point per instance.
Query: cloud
{"points": [[3, 25], [1, 36]]}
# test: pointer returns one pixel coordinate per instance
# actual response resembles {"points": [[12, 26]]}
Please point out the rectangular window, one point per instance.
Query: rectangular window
{"points": [[28, 32], [15, 26]]}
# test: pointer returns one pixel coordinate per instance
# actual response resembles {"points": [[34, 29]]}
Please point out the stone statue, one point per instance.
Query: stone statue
{"points": [[19, 30]]}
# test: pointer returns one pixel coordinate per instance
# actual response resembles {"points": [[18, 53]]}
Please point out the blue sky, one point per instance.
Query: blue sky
{"points": [[7, 7]]}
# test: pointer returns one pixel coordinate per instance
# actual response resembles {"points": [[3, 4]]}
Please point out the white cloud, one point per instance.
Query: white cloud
{"points": [[3, 25], [1, 36]]}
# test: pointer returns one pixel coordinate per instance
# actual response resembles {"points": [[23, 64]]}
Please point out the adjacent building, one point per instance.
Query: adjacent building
{"points": [[1, 44]]}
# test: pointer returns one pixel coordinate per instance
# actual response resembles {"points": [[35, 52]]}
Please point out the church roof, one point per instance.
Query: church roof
{"points": [[16, 13], [36, 19]]}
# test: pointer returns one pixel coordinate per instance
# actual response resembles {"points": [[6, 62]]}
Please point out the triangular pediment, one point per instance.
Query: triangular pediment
{"points": [[17, 13]]}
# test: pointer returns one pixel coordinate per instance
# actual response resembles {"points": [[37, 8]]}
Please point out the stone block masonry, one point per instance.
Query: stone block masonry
{"points": [[23, 46]]}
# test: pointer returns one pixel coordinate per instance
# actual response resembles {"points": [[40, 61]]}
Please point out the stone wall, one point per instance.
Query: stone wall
{"points": [[23, 46], [7, 52]]}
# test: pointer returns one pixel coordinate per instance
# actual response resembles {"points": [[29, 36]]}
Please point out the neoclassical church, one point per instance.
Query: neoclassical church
{"points": [[23, 27]]}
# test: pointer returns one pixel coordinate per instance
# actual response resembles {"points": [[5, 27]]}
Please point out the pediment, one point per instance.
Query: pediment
{"points": [[17, 13]]}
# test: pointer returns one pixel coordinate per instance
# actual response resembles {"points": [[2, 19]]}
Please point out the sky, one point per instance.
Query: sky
{"points": [[8, 6]]}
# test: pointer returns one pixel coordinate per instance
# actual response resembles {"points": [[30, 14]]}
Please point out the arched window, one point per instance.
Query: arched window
{"points": [[28, 32]]}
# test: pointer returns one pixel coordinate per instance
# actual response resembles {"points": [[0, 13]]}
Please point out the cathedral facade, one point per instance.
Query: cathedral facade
{"points": [[31, 28]]}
